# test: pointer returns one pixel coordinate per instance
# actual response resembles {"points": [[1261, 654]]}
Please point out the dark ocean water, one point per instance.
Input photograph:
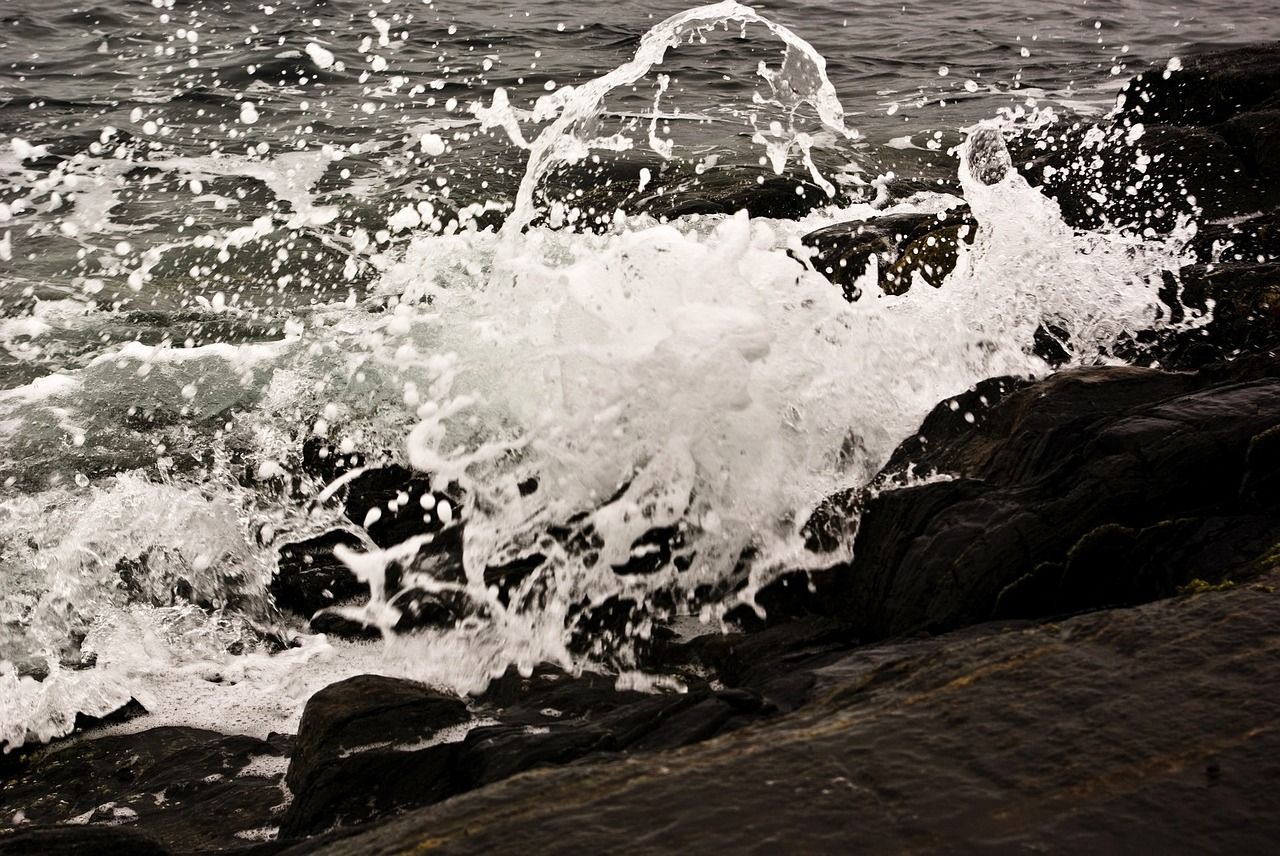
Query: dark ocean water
{"points": [[232, 229]]}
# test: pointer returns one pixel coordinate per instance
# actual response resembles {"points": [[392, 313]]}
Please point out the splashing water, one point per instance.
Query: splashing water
{"points": [[637, 422], [802, 79]]}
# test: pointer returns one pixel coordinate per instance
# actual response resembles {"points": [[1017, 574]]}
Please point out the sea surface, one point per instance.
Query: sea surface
{"points": [[387, 231]]}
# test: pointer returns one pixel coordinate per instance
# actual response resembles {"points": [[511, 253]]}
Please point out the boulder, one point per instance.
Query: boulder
{"points": [[1201, 138], [1096, 487], [901, 245], [544, 720], [355, 755], [1238, 305]]}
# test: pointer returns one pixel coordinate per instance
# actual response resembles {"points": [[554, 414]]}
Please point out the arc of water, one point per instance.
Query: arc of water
{"points": [[804, 70]]}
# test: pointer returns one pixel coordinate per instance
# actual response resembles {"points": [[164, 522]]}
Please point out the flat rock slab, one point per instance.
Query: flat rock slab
{"points": [[1146, 730], [187, 788]]}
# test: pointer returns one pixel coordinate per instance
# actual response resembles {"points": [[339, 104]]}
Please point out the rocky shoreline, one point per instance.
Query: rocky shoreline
{"points": [[1059, 639]]}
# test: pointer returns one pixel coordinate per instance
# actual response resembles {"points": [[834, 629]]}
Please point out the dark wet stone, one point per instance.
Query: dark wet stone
{"points": [[364, 711], [350, 763], [1208, 89], [1241, 303], [393, 494], [1202, 141], [132, 709], [1093, 488], [309, 577], [675, 189], [549, 694], [902, 244], [183, 787], [80, 841], [1254, 240], [333, 623], [547, 719], [368, 785], [392, 504], [1145, 730], [792, 595]]}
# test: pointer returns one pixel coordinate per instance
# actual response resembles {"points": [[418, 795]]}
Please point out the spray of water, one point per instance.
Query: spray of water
{"points": [[638, 422], [802, 79]]}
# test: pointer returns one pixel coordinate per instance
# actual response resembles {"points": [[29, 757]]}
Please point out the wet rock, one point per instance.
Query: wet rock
{"points": [[80, 841], [591, 193], [1142, 730], [367, 710], [1254, 240], [1094, 488], [1201, 140], [388, 502], [392, 504], [900, 245], [1207, 89], [546, 719], [1241, 303], [1135, 176], [187, 788], [350, 762], [310, 577]]}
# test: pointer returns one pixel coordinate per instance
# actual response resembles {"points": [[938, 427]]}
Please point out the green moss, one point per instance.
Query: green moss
{"points": [[1199, 586]]}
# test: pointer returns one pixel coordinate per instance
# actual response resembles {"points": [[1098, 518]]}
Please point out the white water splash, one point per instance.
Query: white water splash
{"points": [[802, 79]]}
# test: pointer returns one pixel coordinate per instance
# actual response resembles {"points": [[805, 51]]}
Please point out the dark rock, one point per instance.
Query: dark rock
{"points": [[1093, 488], [547, 719], [367, 785], [184, 787], [1255, 240], [132, 709], [1208, 89], [387, 502], [367, 710], [1137, 178], [392, 504], [334, 623], [310, 577], [351, 764], [79, 841], [1202, 141], [550, 694], [592, 192], [1242, 302], [1145, 730], [902, 244]]}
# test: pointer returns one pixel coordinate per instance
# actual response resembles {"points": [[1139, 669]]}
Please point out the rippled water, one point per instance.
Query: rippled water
{"points": [[230, 229]]}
